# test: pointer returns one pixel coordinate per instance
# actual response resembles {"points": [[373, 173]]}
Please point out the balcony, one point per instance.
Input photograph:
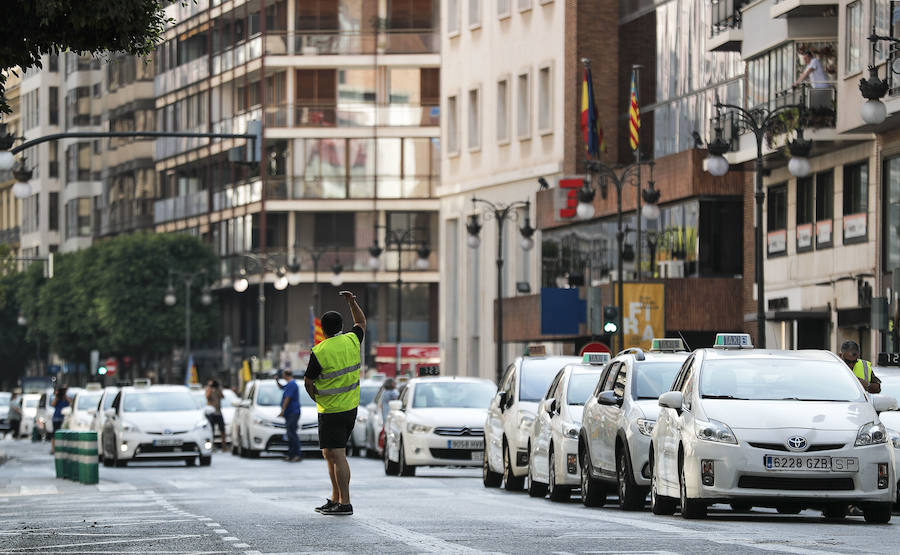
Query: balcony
{"points": [[803, 8], [334, 43], [237, 195], [726, 33], [177, 208], [351, 115], [181, 76], [170, 146], [352, 187]]}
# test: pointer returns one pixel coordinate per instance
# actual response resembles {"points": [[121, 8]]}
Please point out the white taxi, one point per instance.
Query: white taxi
{"points": [[80, 415], [437, 422], [107, 396], [29, 413], [783, 429], [257, 428], [553, 446], [155, 422], [618, 420], [511, 416], [890, 386]]}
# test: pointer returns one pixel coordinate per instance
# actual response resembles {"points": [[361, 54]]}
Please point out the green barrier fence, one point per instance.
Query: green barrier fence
{"points": [[76, 456]]}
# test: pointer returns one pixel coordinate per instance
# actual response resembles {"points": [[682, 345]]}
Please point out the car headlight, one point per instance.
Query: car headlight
{"points": [[201, 424], [645, 426], [129, 427], [571, 431], [417, 428], [526, 420], [871, 434], [714, 431]]}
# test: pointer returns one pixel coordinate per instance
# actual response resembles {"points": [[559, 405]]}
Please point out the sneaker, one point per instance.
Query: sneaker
{"points": [[328, 504], [338, 509], [296, 459]]}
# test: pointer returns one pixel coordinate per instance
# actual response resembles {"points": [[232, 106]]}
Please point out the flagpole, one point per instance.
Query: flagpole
{"points": [[636, 68]]}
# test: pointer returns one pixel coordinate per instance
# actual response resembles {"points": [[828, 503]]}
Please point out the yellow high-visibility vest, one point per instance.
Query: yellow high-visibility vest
{"points": [[338, 384], [863, 370]]}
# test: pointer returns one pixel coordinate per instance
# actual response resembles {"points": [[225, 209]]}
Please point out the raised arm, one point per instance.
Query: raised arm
{"points": [[358, 317]]}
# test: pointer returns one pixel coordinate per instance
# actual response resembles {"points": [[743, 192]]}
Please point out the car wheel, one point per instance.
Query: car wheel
{"points": [[511, 482], [744, 507], [593, 493], [191, 461], [108, 462], [557, 492], [205, 461], [390, 467], [877, 513], [787, 509], [535, 488], [834, 512], [234, 447], [660, 504], [631, 496], [405, 469], [489, 478], [690, 508], [117, 462]]}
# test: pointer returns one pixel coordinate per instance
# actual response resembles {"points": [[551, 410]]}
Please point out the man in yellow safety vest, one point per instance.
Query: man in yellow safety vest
{"points": [[862, 369], [332, 379]]}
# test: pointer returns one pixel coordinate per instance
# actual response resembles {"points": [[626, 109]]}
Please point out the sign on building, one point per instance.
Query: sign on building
{"points": [[643, 314]]}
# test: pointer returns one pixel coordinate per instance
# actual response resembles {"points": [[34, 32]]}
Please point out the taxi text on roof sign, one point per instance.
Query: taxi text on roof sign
{"points": [[667, 344], [595, 358], [536, 351], [733, 341]]}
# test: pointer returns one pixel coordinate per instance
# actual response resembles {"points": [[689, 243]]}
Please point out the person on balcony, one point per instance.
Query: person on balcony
{"points": [[814, 71]]}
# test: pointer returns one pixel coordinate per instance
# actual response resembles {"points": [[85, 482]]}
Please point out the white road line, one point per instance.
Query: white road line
{"points": [[213, 524], [108, 542], [241, 545], [220, 531], [135, 523], [229, 539], [133, 552], [422, 542]]}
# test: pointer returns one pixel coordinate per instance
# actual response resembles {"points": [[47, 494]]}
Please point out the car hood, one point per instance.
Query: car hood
{"points": [[472, 418], [158, 422], [819, 415], [650, 408], [891, 420]]}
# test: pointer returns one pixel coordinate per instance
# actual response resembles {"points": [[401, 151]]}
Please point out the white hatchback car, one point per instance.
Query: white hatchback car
{"points": [[230, 401], [553, 460], [511, 416], [156, 422], [783, 429], [257, 428], [29, 413], [107, 396], [437, 422], [618, 420], [890, 386], [80, 415], [359, 438]]}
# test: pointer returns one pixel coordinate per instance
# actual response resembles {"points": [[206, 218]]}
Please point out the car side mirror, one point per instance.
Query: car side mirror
{"points": [[884, 402], [92, 411], [501, 401], [672, 400], [396, 404], [609, 399], [66, 411], [110, 413]]}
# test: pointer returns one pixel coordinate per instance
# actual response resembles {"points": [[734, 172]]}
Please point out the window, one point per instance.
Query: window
{"points": [[78, 162], [544, 101], [776, 220], [824, 208], [409, 14], [881, 21], [524, 5], [503, 8], [54, 105], [891, 212], [30, 110], [317, 15], [523, 113], [503, 111], [854, 37], [53, 159], [474, 120], [856, 201], [805, 206], [474, 13], [53, 216], [452, 126], [78, 217], [53, 63], [453, 17], [316, 96], [334, 229]]}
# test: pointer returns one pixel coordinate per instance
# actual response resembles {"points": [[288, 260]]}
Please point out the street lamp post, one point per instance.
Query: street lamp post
{"points": [[873, 89], [399, 239], [500, 213], [759, 121], [170, 300], [650, 210]]}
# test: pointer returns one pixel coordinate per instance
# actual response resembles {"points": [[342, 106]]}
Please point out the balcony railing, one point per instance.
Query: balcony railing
{"points": [[181, 76], [725, 15], [238, 195], [176, 208], [331, 43], [351, 115], [352, 187], [170, 146], [352, 259]]}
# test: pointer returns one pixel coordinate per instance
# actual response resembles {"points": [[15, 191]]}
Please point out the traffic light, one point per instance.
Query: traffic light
{"points": [[610, 319], [101, 370]]}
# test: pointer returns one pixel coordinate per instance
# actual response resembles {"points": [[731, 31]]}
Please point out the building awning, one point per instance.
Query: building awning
{"points": [[857, 317], [811, 314]]}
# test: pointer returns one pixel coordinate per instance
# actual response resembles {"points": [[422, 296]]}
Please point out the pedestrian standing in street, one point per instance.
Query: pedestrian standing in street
{"points": [[290, 410], [862, 369], [389, 394], [60, 401], [15, 414], [213, 409], [332, 379]]}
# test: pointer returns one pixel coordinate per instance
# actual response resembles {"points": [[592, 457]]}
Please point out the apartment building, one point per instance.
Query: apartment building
{"points": [[348, 95], [10, 206]]}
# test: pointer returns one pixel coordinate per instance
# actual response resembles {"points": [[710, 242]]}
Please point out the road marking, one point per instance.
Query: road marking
{"points": [[229, 539], [416, 540], [241, 545], [213, 524], [37, 490], [108, 542], [220, 531]]}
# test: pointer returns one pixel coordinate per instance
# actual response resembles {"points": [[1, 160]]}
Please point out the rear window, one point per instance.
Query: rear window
{"points": [[652, 379], [87, 401], [535, 378], [580, 387]]}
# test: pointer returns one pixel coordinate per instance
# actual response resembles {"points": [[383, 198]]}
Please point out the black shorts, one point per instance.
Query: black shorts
{"points": [[335, 429]]}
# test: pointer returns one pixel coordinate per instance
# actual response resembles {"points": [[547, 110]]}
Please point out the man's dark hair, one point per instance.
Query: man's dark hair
{"points": [[332, 323], [849, 346], [214, 383]]}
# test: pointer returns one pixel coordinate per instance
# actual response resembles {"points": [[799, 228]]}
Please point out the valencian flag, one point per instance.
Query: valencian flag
{"points": [[590, 124], [634, 116], [315, 329]]}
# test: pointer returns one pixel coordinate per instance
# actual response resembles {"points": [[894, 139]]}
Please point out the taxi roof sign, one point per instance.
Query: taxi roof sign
{"points": [[536, 351], [142, 382], [93, 386], [733, 341], [666, 344], [595, 358]]}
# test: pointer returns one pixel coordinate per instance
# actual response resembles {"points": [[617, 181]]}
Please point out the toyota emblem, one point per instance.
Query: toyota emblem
{"points": [[167, 432], [797, 443]]}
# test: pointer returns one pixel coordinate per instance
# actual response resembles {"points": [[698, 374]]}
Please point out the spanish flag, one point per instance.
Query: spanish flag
{"points": [[590, 124], [315, 329], [634, 116]]}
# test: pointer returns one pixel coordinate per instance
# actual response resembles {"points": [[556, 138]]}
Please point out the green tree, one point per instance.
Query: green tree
{"points": [[15, 349], [33, 27]]}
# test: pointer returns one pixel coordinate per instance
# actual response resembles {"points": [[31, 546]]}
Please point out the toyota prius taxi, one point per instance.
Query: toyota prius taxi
{"points": [[783, 429]]}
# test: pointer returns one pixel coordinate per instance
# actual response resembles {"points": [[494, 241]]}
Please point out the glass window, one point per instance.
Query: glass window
{"points": [[780, 379], [580, 387], [824, 195], [463, 395], [856, 188], [805, 200], [53, 208], [474, 120], [87, 401], [892, 213], [881, 21], [618, 385], [317, 15], [452, 16], [502, 110], [776, 208], [452, 125], [405, 86], [652, 379], [544, 98], [474, 13], [523, 107], [536, 376], [54, 105], [158, 402], [502, 8], [334, 229], [411, 14], [854, 37]]}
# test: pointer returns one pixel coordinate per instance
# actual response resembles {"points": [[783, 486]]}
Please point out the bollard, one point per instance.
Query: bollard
{"points": [[57, 456], [89, 469], [67, 459]]}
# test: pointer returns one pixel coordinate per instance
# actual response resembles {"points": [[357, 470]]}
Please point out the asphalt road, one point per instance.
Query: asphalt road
{"points": [[266, 506]]}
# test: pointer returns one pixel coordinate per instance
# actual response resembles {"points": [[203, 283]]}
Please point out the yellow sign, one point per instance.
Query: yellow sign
{"points": [[643, 313]]}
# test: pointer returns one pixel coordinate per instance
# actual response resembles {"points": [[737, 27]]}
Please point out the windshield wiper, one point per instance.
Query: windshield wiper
{"points": [[724, 397], [823, 400]]}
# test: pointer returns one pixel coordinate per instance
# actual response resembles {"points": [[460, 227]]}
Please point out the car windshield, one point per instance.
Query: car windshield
{"points": [[580, 387], [367, 394], [787, 379], [30, 403], [463, 395], [88, 401], [159, 401], [270, 395], [652, 379], [536, 378], [109, 400]]}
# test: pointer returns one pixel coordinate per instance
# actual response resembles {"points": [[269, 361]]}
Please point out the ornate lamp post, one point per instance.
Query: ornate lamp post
{"points": [[170, 300]]}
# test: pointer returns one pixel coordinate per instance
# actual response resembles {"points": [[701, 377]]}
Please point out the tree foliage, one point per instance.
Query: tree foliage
{"points": [[14, 346], [109, 297], [35, 27]]}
